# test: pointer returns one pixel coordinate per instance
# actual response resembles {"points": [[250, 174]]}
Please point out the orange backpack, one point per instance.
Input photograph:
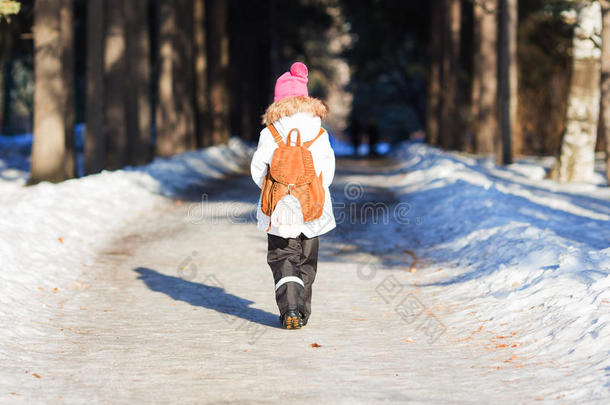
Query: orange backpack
{"points": [[292, 172]]}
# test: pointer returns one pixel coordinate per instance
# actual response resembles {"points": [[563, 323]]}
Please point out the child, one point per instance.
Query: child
{"points": [[293, 120]]}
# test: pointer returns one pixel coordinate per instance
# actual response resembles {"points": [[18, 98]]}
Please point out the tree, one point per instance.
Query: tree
{"points": [[577, 156], [95, 139], [201, 75], [605, 82], [449, 134], [434, 73], [507, 77], [219, 71], [175, 114], [52, 159], [137, 100], [485, 66], [114, 86]]}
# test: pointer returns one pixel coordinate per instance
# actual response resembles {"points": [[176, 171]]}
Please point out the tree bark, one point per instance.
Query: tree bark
{"points": [[434, 73], [486, 137], [475, 95], [66, 15], [449, 128], [50, 159], [202, 115], [605, 82], [175, 114], [137, 82], [219, 71], [184, 80], [508, 77], [95, 139], [577, 156], [114, 88]]}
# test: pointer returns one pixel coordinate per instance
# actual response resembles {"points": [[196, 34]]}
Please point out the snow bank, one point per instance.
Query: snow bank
{"points": [[523, 253], [49, 231]]}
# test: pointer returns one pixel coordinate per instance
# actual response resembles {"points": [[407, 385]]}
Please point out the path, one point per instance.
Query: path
{"points": [[180, 308]]}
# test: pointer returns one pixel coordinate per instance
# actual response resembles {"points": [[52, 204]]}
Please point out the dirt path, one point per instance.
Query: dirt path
{"points": [[180, 308]]}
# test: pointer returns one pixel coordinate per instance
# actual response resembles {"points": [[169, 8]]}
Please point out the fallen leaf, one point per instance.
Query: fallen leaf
{"points": [[500, 337], [178, 202], [516, 283], [245, 350], [55, 289], [60, 239], [36, 375], [314, 344], [408, 340], [502, 345], [514, 345]]}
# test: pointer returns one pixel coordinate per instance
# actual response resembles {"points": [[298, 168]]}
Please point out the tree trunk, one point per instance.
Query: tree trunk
{"points": [[7, 100], [486, 138], [184, 80], [219, 71], [605, 82], [175, 129], [50, 159], [434, 73], [508, 77], [449, 129], [475, 95], [114, 88], [577, 156], [202, 120], [137, 82], [95, 139], [66, 15]]}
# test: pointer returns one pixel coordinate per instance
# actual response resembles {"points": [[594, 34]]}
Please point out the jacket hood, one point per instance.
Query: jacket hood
{"points": [[292, 105]]}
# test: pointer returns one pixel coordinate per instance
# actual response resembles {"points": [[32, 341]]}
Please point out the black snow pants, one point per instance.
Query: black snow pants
{"points": [[294, 262]]}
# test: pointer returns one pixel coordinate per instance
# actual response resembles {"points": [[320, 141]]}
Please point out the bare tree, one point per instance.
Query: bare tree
{"points": [[137, 102], [201, 75], [508, 76], [175, 114], [52, 159], [605, 82], [114, 86], [434, 72], [449, 128], [95, 139], [577, 156], [219, 70], [486, 66]]}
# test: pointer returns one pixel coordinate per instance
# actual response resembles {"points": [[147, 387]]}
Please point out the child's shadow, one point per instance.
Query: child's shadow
{"points": [[207, 296]]}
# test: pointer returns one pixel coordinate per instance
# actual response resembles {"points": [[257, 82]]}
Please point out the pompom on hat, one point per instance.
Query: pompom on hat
{"points": [[292, 83]]}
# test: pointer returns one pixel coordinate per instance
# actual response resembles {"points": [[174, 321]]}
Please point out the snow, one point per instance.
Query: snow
{"points": [[526, 262], [514, 245], [49, 230]]}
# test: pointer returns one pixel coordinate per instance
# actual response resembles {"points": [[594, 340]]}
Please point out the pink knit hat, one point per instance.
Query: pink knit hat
{"points": [[293, 83]]}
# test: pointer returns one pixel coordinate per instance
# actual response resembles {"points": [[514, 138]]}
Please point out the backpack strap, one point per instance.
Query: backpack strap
{"points": [[276, 136], [308, 143]]}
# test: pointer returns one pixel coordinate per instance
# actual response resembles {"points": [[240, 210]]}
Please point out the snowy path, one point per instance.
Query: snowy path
{"points": [[179, 306]]}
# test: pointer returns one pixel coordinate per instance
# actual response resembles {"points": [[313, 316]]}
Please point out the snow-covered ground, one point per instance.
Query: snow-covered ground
{"points": [[524, 252], [517, 267], [48, 230]]}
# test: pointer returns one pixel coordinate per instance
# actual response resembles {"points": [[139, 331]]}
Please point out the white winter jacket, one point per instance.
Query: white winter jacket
{"points": [[323, 160]]}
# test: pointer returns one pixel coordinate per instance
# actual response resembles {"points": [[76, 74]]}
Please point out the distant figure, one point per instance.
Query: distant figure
{"points": [[354, 133], [294, 146], [373, 132]]}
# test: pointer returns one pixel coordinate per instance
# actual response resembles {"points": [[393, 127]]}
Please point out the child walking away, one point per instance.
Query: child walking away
{"points": [[293, 165]]}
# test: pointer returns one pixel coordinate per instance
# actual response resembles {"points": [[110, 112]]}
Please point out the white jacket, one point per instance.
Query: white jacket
{"points": [[323, 160]]}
